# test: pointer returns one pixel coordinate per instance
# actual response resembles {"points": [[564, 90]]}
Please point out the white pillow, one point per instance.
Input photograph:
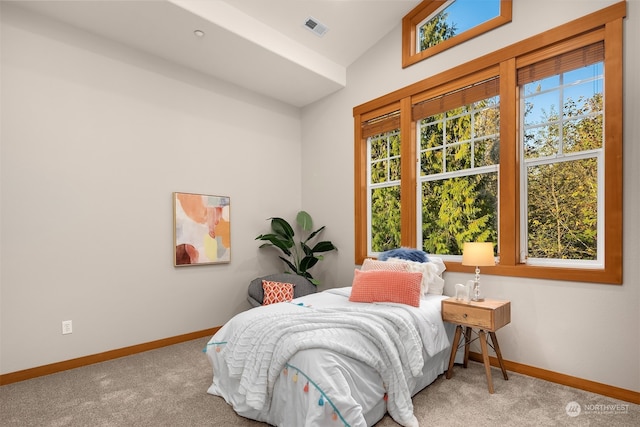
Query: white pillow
{"points": [[432, 281]]}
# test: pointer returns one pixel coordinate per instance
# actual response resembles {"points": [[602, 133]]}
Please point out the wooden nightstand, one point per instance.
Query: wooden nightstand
{"points": [[488, 315]]}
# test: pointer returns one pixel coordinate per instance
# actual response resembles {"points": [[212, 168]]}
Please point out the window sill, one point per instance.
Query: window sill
{"points": [[604, 276]]}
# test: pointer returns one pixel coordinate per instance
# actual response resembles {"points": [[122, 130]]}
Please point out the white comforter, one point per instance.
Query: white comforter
{"points": [[318, 346]]}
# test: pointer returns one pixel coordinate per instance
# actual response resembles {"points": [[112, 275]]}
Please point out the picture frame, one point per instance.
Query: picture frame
{"points": [[201, 229]]}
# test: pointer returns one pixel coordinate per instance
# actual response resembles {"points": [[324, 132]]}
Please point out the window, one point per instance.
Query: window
{"points": [[459, 151], [522, 148], [436, 25], [561, 117], [383, 194]]}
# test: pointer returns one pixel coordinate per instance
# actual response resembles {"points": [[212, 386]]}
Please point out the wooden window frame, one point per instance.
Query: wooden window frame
{"points": [[410, 55], [604, 25]]}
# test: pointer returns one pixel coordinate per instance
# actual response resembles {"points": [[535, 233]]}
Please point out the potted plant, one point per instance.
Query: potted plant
{"points": [[299, 258]]}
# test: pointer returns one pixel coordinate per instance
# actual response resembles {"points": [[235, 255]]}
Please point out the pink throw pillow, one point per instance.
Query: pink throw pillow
{"points": [[276, 292], [373, 264], [386, 286]]}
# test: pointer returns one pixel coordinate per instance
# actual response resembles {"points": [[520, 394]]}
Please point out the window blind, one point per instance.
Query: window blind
{"points": [[458, 98], [559, 64], [382, 124]]}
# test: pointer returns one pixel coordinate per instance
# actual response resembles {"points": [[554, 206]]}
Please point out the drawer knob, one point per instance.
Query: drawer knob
{"points": [[464, 315]]}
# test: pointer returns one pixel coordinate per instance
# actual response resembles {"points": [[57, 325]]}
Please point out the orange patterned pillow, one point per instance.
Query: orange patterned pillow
{"points": [[386, 286], [276, 292]]}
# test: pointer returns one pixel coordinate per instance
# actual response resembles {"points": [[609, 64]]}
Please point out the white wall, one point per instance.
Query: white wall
{"points": [[585, 330], [95, 138]]}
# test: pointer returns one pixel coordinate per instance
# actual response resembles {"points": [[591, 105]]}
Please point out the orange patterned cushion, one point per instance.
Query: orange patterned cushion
{"points": [[386, 286], [276, 292]]}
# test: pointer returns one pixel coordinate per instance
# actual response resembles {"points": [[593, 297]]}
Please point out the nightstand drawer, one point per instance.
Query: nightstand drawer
{"points": [[489, 315]]}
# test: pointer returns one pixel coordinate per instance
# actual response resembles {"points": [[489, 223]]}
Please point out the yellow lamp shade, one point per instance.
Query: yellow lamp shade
{"points": [[478, 254]]}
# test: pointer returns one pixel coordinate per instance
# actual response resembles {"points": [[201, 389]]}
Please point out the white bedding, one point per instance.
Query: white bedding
{"points": [[321, 360]]}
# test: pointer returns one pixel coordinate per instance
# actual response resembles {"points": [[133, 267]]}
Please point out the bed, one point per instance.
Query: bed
{"points": [[331, 358]]}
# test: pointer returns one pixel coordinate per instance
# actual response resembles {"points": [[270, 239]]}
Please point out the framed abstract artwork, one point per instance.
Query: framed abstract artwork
{"points": [[202, 229]]}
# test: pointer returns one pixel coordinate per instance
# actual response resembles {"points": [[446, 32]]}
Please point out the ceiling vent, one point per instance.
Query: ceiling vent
{"points": [[317, 28]]}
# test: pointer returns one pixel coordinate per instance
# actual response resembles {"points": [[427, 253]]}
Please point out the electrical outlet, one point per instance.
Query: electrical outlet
{"points": [[67, 327]]}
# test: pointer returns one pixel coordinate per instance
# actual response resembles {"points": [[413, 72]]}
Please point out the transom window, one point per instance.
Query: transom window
{"points": [[437, 25]]}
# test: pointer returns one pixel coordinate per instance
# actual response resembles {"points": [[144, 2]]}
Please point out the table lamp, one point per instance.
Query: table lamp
{"points": [[477, 254]]}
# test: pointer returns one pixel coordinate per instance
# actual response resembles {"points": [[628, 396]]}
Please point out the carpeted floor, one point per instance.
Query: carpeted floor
{"points": [[167, 387]]}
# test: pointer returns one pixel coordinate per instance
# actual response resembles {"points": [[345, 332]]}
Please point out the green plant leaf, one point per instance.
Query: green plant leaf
{"points": [[324, 246], [312, 235], [291, 266], [272, 236], [305, 249], [282, 228], [307, 262], [310, 278], [283, 245], [304, 220]]}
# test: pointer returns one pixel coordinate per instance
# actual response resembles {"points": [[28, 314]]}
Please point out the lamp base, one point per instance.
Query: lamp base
{"points": [[476, 296]]}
